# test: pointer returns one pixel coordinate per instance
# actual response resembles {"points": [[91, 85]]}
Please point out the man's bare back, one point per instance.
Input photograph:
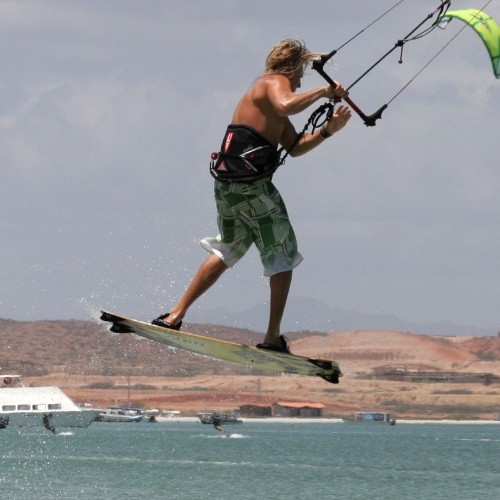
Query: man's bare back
{"points": [[257, 110]]}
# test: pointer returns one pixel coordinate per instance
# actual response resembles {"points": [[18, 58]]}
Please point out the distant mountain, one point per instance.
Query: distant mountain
{"points": [[307, 314]]}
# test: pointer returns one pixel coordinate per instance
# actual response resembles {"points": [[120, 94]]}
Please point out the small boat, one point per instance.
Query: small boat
{"points": [[371, 417], [221, 418], [48, 406], [121, 414]]}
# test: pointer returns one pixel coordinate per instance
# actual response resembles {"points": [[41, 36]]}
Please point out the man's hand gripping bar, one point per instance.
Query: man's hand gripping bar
{"points": [[368, 120]]}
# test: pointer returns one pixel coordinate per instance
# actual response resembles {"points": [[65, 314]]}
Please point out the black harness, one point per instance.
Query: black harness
{"points": [[245, 156]]}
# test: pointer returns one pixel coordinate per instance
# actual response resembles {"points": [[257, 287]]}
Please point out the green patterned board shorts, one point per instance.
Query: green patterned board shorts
{"points": [[253, 213]]}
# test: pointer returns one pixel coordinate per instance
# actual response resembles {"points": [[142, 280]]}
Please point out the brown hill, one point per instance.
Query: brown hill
{"points": [[365, 350], [88, 348], [382, 369]]}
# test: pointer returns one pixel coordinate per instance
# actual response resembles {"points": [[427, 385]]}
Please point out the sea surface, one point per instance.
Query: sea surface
{"points": [[187, 460]]}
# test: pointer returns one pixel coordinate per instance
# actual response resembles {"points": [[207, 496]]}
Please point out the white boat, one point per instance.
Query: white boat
{"points": [[47, 406], [371, 417], [121, 414]]}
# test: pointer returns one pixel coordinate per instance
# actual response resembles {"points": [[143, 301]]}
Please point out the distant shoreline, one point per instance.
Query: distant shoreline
{"points": [[298, 420]]}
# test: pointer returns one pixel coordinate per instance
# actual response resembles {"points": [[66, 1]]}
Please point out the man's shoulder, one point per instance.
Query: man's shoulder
{"points": [[272, 77], [269, 83]]}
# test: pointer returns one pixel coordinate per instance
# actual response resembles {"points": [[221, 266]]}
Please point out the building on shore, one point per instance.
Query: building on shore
{"points": [[283, 409]]}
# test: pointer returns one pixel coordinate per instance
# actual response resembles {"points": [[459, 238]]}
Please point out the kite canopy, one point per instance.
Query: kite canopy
{"points": [[486, 27]]}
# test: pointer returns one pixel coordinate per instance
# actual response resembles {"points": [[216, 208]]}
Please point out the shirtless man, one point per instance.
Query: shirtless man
{"points": [[216, 423], [249, 207]]}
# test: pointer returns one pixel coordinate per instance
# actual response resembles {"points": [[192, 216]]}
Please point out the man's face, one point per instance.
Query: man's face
{"points": [[296, 77]]}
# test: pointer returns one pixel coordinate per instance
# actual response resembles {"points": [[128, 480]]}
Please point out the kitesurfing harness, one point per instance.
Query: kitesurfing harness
{"points": [[245, 156]]}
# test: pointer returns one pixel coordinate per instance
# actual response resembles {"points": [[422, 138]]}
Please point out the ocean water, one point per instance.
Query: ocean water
{"points": [[179, 460]]}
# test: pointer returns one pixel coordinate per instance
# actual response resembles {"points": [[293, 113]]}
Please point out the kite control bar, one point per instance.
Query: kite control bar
{"points": [[368, 120]]}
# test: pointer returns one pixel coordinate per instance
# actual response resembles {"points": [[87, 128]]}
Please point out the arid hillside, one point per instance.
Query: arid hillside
{"points": [[404, 373], [365, 351]]}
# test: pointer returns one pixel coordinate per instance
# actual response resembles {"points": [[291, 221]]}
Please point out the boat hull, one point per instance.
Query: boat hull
{"points": [[118, 418], [61, 419]]}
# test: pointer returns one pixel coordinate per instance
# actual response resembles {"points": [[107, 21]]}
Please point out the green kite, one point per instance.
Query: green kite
{"points": [[486, 27]]}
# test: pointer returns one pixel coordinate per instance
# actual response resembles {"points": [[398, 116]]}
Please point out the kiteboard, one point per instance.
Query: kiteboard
{"points": [[266, 360]]}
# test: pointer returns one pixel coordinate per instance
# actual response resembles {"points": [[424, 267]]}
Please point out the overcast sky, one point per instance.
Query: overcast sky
{"points": [[109, 110]]}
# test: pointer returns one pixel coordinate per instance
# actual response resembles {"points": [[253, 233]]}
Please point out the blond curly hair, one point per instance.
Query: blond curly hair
{"points": [[287, 56]]}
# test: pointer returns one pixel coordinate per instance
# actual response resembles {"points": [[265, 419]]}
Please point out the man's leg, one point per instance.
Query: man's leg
{"points": [[280, 285], [208, 273]]}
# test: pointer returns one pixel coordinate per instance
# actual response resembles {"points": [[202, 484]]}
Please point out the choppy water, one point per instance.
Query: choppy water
{"points": [[260, 461]]}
